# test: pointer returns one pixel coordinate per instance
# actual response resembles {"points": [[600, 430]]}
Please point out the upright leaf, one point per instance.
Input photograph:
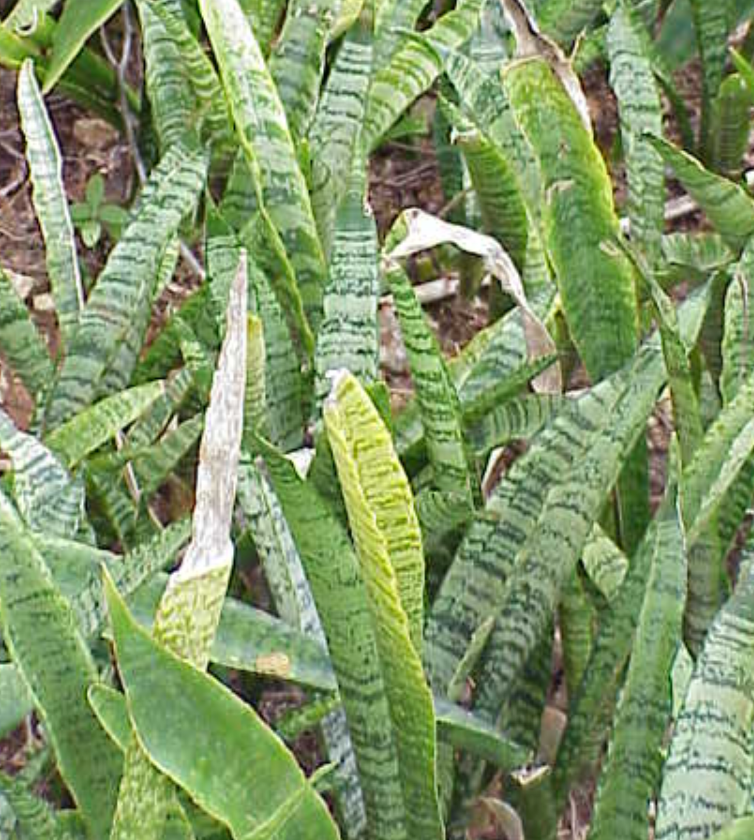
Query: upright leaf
{"points": [[50, 203], [126, 281], [388, 542], [56, 665]]}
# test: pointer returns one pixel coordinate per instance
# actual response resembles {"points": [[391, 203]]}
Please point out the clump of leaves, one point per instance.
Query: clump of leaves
{"points": [[416, 602]]}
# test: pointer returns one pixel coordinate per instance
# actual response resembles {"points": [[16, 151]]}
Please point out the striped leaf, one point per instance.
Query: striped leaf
{"points": [[34, 816], [730, 125], [266, 141], [337, 123], [726, 205], [15, 700], [332, 570], [209, 107], [707, 777], [171, 98], [563, 20], [125, 281], [452, 468], [413, 69], [50, 203], [264, 17], [48, 497], [98, 424], [20, 343], [605, 564], [349, 335], [297, 63], [508, 566], [155, 419], [711, 26], [632, 770], [596, 287], [55, 663], [388, 542], [295, 604], [632, 79], [278, 802]]}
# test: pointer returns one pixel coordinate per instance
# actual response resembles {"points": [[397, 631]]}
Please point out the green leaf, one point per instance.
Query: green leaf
{"points": [[388, 542], [728, 206], [126, 281], [94, 426], [711, 26], [336, 127], [349, 334], [21, 344], [731, 124], [596, 287], [563, 20], [631, 772], [632, 79], [35, 817], [76, 24], [48, 498], [50, 203], [220, 763], [15, 700], [707, 777], [267, 145], [332, 570], [413, 69], [452, 468], [297, 63], [38, 627]]}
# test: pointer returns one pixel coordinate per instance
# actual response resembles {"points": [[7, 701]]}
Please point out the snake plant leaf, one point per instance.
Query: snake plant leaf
{"points": [[56, 665], [632, 770], [736, 830], [77, 22], [577, 620], [20, 342], [452, 468], [218, 764], [34, 816], [632, 79], [15, 700], [413, 68], [591, 710], [605, 564], [349, 334], [500, 203], [392, 20], [388, 542], [26, 14], [711, 27], [563, 20], [465, 731], [729, 134], [297, 63], [726, 205], [506, 558], [48, 497], [596, 287], [190, 608], [210, 108], [50, 203], [251, 640], [117, 375], [295, 605], [707, 777], [517, 419], [266, 141], [150, 425], [703, 252], [332, 570], [89, 429], [154, 464], [125, 281], [337, 125], [171, 97]]}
